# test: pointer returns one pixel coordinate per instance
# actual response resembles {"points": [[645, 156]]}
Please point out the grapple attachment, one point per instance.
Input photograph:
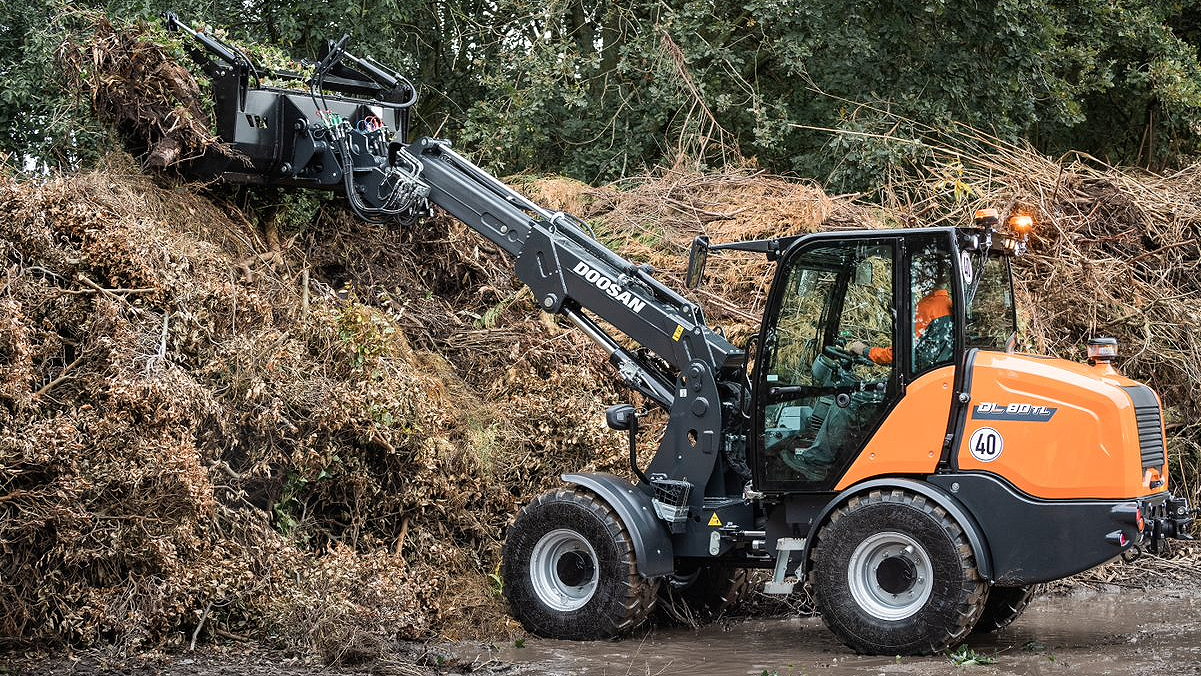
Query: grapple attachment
{"points": [[342, 126]]}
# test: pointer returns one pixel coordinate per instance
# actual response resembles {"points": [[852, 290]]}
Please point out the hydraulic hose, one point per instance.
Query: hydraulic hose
{"points": [[634, 450]]}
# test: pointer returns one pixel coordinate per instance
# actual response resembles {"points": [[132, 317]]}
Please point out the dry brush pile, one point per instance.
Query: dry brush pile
{"points": [[192, 443]]}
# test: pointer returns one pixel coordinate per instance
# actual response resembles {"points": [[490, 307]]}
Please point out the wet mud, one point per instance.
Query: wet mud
{"points": [[1087, 633], [1154, 632]]}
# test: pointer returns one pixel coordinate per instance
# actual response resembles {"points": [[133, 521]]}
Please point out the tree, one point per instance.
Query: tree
{"points": [[599, 89]]}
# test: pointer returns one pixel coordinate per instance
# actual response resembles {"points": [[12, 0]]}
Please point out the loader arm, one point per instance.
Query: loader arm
{"points": [[573, 274]]}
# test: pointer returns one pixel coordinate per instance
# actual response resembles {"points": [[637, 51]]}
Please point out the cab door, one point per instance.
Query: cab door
{"points": [[816, 401]]}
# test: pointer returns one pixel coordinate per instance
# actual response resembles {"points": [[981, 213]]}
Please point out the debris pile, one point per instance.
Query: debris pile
{"points": [[138, 87], [199, 434]]}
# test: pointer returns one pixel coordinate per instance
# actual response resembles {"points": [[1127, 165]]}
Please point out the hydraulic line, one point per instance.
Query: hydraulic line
{"points": [[635, 375]]}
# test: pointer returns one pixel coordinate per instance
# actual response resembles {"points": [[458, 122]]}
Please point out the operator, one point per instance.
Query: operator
{"points": [[934, 338], [933, 329]]}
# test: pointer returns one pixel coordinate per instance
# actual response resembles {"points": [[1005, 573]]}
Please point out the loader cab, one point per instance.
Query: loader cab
{"points": [[852, 320]]}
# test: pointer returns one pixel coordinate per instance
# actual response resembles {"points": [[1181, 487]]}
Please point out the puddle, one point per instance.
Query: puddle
{"points": [[1089, 634]]}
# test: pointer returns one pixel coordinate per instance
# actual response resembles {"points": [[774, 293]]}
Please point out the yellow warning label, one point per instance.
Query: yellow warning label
{"points": [[678, 334], [714, 521]]}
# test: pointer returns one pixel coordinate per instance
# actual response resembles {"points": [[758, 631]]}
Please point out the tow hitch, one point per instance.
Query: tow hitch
{"points": [[1171, 518]]}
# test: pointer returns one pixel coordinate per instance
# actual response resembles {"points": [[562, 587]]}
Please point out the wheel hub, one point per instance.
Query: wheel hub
{"points": [[896, 575], [564, 570], [890, 575], [574, 569]]}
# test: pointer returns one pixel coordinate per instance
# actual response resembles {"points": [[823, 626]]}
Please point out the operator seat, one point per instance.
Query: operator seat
{"points": [[840, 427], [936, 346]]}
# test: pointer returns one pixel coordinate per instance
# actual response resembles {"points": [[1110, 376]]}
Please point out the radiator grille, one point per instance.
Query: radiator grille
{"points": [[1150, 426], [1150, 435]]}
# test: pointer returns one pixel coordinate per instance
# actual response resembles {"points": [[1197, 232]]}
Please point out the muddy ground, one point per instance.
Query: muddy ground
{"points": [[1088, 633]]}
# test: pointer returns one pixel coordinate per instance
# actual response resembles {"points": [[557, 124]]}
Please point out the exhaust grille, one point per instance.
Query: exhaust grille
{"points": [[1150, 435], [1150, 426]]}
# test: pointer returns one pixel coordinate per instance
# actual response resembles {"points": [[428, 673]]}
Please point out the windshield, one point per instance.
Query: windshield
{"points": [[991, 322]]}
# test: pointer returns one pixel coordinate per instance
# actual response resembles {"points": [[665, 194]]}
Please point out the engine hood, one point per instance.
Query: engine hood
{"points": [[1062, 430]]}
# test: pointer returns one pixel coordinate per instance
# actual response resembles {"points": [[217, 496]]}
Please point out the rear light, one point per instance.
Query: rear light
{"points": [[1152, 479], [1123, 540]]}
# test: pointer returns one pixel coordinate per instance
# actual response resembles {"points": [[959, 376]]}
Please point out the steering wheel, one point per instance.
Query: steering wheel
{"points": [[845, 356]]}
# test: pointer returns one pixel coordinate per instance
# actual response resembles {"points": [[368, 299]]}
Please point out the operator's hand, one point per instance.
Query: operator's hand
{"points": [[857, 347]]}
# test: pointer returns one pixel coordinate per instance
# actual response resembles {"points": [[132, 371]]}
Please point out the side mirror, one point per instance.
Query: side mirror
{"points": [[620, 417], [697, 256]]}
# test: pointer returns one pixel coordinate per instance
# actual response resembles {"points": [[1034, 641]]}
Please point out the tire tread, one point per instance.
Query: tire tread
{"points": [[1004, 606], [638, 596], [974, 591]]}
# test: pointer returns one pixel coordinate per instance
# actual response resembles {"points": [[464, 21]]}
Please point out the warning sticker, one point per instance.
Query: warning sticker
{"points": [[678, 334], [714, 521]]}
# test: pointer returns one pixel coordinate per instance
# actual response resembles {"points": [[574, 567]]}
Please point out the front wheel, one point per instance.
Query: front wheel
{"points": [[569, 569], [894, 574]]}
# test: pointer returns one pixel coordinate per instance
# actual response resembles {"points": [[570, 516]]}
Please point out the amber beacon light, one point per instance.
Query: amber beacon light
{"points": [[986, 218], [1021, 225]]}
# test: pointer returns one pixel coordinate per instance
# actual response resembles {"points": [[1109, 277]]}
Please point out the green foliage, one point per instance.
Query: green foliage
{"points": [[366, 337], [604, 91], [289, 509], [40, 123], [497, 583], [598, 89], [964, 656]]}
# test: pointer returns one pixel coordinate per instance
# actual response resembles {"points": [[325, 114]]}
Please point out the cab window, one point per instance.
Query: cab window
{"points": [[931, 310], [990, 318], [821, 399]]}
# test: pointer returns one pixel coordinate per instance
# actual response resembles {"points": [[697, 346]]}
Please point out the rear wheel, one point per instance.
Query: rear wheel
{"points": [[1004, 605], [894, 574], [702, 594], [569, 569]]}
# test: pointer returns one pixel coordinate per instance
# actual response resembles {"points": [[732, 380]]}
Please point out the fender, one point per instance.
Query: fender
{"points": [[652, 542], [939, 496]]}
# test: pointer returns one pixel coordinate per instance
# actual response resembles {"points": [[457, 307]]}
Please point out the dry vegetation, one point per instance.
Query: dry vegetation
{"points": [[191, 437], [215, 424], [131, 83]]}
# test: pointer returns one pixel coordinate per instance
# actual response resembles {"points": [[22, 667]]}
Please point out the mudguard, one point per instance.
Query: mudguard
{"points": [[940, 497], [632, 502]]}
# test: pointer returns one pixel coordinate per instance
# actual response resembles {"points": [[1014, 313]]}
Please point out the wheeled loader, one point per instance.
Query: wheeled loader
{"points": [[879, 440]]}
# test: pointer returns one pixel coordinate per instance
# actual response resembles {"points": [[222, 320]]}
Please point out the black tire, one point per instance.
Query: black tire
{"points": [[885, 541], [1004, 605], [703, 594], [611, 598]]}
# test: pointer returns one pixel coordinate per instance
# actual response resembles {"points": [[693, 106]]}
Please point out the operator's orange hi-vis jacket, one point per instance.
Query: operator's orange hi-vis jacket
{"points": [[936, 304]]}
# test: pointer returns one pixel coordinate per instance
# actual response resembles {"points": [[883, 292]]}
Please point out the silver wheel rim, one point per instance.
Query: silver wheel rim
{"points": [[564, 570], [890, 576]]}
